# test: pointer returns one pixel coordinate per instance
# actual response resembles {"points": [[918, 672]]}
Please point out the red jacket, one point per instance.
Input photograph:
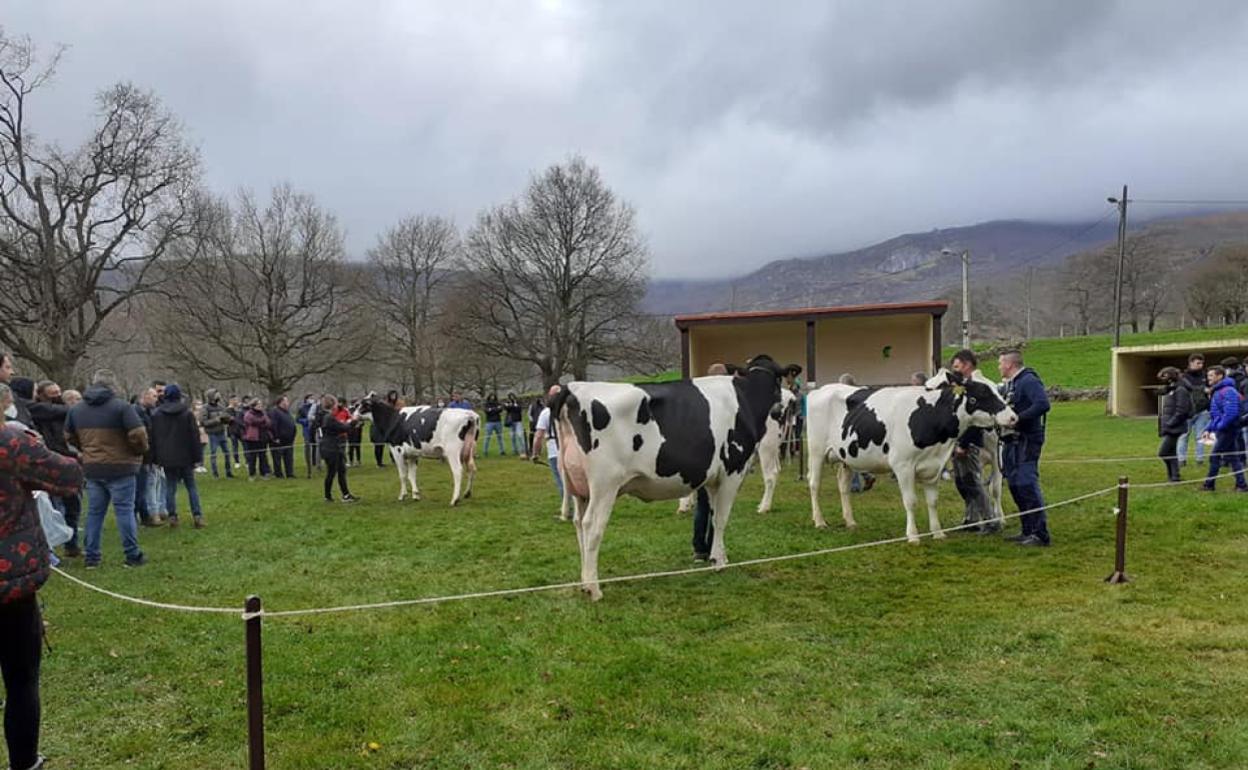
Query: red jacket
{"points": [[25, 466], [256, 426]]}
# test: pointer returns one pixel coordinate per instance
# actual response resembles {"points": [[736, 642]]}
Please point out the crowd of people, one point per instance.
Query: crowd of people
{"points": [[1206, 408]]}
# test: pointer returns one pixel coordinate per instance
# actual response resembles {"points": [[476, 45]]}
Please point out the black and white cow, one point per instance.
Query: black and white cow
{"points": [[779, 421], [910, 431], [414, 432], [659, 442], [990, 457]]}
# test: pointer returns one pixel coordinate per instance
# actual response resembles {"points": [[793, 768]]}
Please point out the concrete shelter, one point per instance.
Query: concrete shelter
{"points": [[1133, 386], [878, 344]]}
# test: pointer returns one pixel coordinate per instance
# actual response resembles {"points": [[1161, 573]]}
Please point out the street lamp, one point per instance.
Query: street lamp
{"points": [[966, 293], [1122, 254]]}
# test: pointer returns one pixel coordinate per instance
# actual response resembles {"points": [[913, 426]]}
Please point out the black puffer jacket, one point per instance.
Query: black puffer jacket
{"points": [[175, 436], [1176, 410], [333, 434], [49, 420]]}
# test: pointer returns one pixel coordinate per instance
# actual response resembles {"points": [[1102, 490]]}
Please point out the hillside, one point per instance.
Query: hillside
{"points": [[911, 267]]}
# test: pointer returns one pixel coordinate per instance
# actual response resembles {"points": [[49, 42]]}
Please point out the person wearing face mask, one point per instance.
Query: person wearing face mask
{"points": [[8, 374], [48, 412]]}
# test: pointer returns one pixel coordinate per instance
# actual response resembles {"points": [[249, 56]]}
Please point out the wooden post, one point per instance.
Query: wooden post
{"points": [[255, 687], [1120, 544]]}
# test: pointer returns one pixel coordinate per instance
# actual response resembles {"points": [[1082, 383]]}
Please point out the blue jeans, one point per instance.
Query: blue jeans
{"points": [[1227, 450], [493, 429], [186, 476], [220, 442], [1020, 464], [154, 495], [121, 493], [71, 508], [517, 438], [554, 471], [1195, 427]]}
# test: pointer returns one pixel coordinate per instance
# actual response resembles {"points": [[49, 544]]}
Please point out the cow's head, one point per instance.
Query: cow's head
{"points": [[978, 399]]}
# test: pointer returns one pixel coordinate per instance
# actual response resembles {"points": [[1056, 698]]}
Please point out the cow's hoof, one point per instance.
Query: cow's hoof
{"points": [[821, 525], [454, 503], [719, 563], [593, 592], [852, 526], [914, 541], [468, 494], [761, 509], [938, 534]]}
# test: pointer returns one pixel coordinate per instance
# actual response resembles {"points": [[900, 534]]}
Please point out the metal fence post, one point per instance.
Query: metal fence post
{"points": [[1120, 546], [255, 686]]}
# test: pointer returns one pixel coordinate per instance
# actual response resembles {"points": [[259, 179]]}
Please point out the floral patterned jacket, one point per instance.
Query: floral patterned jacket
{"points": [[25, 466]]}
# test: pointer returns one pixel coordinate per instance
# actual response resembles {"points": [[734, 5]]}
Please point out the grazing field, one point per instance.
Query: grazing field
{"points": [[967, 653]]}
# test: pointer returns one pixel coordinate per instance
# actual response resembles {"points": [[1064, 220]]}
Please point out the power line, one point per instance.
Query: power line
{"points": [[1184, 202]]}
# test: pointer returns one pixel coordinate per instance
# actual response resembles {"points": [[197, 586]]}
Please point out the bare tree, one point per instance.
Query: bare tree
{"points": [[412, 264], [558, 275], [1219, 290], [81, 230], [262, 294]]}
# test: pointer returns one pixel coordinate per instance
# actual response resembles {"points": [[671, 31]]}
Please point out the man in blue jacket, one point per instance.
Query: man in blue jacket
{"points": [[1020, 448], [1224, 426]]}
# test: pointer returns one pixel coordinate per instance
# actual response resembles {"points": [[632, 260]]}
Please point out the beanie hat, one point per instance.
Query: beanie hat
{"points": [[173, 392], [23, 387]]}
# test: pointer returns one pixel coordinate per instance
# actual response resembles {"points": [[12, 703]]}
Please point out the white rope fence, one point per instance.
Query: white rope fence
{"points": [[560, 586]]}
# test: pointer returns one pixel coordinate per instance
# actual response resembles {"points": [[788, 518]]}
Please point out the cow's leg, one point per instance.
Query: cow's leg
{"points": [[721, 500], [814, 475], [469, 455], [686, 503], [412, 465], [593, 523], [930, 491], [400, 465], [457, 476], [992, 451], [769, 459], [905, 482], [844, 479]]}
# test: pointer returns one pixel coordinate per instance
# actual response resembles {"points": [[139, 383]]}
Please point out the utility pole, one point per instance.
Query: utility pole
{"points": [[1030, 270], [966, 293], [966, 298], [1122, 257]]}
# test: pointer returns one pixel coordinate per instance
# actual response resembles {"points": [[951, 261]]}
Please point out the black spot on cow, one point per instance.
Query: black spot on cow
{"points": [[567, 404], [601, 417], [683, 416], [637, 442], [862, 423], [419, 427], [885, 447], [738, 445], [932, 424], [643, 412], [842, 453], [469, 426], [595, 443]]}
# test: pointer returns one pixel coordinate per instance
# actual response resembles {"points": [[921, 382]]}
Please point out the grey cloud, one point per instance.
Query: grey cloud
{"points": [[740, 131]]}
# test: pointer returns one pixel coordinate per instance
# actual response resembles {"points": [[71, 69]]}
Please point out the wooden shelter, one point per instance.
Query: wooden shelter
{"points": [[1133, 386], [877, 344]]}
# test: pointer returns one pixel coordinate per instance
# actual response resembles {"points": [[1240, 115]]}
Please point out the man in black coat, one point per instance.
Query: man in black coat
{"points": [[47, 413], [1172, 418], [176, 448], [282, 447]]}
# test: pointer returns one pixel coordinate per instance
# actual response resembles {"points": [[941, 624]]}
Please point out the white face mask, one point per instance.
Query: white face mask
{"points": [[11, 412]]}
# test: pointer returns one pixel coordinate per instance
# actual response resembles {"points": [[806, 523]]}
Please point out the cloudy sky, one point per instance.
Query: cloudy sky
{"points": [[740, 131]]}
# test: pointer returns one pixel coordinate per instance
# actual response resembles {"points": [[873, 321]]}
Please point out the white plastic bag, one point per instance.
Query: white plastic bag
{"points": [[54, 527]]}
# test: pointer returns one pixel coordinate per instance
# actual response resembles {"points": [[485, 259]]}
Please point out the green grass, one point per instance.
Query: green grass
{"points": [[967, 653], [1083, 362]]}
